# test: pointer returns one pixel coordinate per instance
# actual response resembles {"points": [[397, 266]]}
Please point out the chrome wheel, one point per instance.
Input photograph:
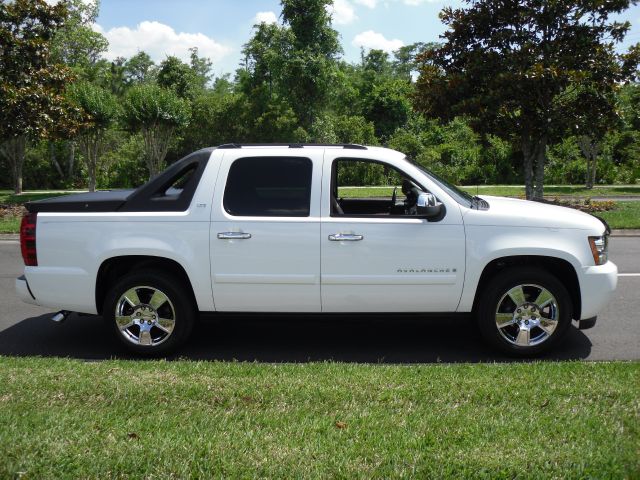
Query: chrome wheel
{"points": [[527, 315], [145, 316]]}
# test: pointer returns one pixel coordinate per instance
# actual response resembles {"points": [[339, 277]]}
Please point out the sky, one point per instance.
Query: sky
{"points": [[219, 28]]}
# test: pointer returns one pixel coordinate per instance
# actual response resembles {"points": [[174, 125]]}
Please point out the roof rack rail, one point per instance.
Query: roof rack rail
{"points": [[352, 146]]}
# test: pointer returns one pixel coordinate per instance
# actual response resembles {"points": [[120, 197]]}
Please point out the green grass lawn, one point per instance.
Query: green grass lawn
{"points": [[551, 190], [507, 191], [625, 215], [8, 197], [10, 225], [153, 419]]}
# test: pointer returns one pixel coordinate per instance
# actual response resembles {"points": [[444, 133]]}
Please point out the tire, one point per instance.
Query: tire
{"points": [[150, 313], [524, 311]]}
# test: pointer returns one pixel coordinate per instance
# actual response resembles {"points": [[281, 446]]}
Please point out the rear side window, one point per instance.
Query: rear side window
{"points": [[269, 187]]}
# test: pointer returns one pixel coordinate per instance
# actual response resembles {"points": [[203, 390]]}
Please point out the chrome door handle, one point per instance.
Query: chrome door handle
{"points": [[345, 237], [233, 236]]}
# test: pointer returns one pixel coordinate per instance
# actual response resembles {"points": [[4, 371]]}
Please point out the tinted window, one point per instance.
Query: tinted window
{"points": [[269, 187]]}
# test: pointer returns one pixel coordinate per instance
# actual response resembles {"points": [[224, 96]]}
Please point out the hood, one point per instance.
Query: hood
{"points": [[514, 212]]}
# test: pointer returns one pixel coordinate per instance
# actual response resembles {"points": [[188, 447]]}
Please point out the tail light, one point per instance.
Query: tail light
{"points": [[28, 239]]}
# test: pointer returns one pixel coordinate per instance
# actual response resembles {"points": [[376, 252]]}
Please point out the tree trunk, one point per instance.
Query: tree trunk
{"points": [[17, 177], [541, 156], [590, 149], [71, 159], [528, 154], [13, 150], [91, 143], [156, 141], [534, 151], [92, 178], [54, 160]]}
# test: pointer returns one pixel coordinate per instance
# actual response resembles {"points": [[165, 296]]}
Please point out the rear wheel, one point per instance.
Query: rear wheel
{"points": [[149, 313], [524, 311]]}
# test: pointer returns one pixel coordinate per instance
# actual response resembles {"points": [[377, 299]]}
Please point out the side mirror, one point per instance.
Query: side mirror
{"points": [[428, 205]]}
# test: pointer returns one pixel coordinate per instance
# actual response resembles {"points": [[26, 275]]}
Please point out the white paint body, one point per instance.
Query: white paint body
{"points": [[289, 265]]}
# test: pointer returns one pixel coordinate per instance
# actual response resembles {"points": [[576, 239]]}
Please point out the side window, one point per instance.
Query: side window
{"points": [[362, 187], [173, 189], [269, 187]]}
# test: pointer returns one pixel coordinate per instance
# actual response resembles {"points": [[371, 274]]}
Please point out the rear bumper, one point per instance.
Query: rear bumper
{"points": [[24, 292], [62, 288], [597, 284]]}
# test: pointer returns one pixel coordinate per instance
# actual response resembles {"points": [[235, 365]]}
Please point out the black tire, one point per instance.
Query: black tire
{"points": [[493, 296], [181, 306]]}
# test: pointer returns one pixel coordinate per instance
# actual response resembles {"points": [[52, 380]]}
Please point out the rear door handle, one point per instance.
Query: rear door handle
{"points": [[233, 236], [345, 237]]}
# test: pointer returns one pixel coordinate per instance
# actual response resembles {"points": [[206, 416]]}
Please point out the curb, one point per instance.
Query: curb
{"points": [[625, 233], [9, 237]]}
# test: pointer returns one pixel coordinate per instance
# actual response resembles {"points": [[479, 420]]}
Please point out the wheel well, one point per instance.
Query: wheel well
{"points": [[114, 268], [562, 269]]}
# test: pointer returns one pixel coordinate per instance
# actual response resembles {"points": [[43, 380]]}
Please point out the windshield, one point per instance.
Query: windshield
{"points": [[460, 196]]}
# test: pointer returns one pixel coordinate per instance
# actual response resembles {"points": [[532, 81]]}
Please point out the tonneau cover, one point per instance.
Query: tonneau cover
{"points": [[103, 201]]}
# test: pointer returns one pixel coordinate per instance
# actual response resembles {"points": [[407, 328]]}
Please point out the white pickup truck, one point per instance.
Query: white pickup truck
{"points": [[265, 228]]}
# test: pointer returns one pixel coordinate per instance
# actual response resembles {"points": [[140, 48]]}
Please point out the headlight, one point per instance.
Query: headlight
{"points": [[599, 249]]}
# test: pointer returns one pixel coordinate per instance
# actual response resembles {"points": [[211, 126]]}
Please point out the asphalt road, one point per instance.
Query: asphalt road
{"points": [[27, 330]]}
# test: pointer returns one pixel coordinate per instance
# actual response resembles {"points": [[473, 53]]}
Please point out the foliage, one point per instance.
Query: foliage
{"points": [[122, 165], [310, 66], [139, 69], [389, 107], [178, 76], [506, 65], [156, 113], [293, 86], [76, 44], [99, 110], [31, 82], [341, 129]]}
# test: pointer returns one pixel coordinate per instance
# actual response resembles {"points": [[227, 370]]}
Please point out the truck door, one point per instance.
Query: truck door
{"points": [[265, 253], [377, 255]]}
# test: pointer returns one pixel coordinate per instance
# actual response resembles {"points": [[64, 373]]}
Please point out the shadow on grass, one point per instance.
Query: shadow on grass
{"points": [[393, 339]]}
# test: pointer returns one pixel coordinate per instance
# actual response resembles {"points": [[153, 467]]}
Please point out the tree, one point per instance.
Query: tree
{"points": [[31, 83], [76, 44], [388, 106], [178, 76], [405, 64], [201, 67], [139, 68], [342, 129], [99, 110], [513, 67], [311, 61], [156, 113]]}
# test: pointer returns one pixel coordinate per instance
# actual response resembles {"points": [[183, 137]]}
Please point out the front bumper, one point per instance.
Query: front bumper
{"points": [[24, 292], [597, 284]]}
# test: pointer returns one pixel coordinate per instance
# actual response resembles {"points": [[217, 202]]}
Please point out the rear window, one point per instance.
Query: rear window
{"points": [[269, 187]]}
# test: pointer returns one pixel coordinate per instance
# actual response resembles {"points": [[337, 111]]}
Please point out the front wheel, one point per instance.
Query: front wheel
{"points": [[149, 312], [524, 311]]}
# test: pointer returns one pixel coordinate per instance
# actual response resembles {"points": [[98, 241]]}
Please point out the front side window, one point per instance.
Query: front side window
{"points": [[369, 188], [269, 187]]}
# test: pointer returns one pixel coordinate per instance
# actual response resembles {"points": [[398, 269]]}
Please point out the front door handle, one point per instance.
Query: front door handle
{"points": [[234, 235], [345, 237]]}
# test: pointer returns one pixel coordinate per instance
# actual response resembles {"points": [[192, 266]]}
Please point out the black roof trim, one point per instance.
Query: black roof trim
{"points": [[350, 146]]}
